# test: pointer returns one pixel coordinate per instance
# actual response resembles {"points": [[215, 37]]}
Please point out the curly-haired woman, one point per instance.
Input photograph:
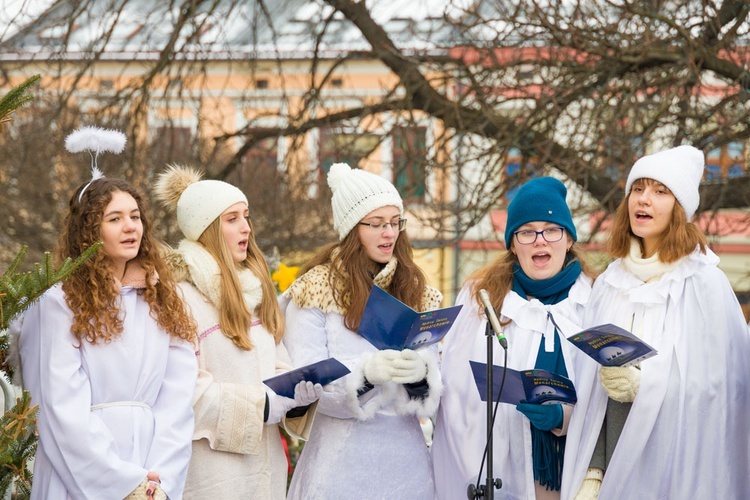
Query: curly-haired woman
{"points": [[108, 358]]}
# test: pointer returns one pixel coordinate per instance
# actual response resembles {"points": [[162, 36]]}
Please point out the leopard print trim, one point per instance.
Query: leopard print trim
{"points": [[313, 289]]}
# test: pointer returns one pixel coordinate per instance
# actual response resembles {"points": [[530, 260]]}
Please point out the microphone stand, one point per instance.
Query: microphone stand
{"points": [[487, 490]]}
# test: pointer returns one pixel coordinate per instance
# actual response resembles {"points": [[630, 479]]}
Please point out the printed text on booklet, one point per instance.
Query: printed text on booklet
{"points": [[610, 345], [388, 323], [527, 386]]}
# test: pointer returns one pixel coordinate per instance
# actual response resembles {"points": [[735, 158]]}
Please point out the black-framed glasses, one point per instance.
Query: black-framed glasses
{"points": [[529, 236], [380, 227]]}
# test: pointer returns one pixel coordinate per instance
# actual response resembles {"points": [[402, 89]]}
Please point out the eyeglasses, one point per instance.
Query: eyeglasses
{"points": [[529, 236], [380, 227]]}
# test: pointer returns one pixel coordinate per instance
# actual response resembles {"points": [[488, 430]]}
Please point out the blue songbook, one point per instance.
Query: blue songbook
{"points": [[530, 386], [388, 323], [322, 372], [610, 345]]}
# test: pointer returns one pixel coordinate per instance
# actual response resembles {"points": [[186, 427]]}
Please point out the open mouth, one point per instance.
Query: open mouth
{"points": [[541, 259], [242, 244], [131, 241], [642, 216], [386, 247]]}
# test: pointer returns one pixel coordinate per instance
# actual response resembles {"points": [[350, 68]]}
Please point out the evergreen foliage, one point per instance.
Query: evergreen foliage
{"points": [[18, 291], [16, 98]]}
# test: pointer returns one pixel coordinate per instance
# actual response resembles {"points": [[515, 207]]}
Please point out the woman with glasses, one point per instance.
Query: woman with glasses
{"points": [[366, 441], [539, 288]]}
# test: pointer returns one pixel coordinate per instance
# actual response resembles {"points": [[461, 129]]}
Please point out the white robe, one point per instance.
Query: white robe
{"points": [[688, 432], [106, 453], [360, 447], [460, 429]]}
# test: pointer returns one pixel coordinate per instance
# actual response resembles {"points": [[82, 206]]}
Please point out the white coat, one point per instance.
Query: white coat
{"points": [[235, 454], [460, 429], [145, 379], [368, 446], [688, 433]]}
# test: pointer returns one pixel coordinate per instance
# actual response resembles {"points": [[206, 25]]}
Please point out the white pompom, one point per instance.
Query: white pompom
{"points": [[337, 174], [95, 140]]}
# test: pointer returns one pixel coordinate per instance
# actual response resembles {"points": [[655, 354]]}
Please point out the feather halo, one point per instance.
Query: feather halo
{"points": [[95, 140]]}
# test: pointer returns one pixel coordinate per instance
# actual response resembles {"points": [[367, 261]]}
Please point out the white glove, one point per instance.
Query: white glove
{"points": [[378, 368], [409, 368], [591, 485], [620, 383], [401, 367], [305, 393]]}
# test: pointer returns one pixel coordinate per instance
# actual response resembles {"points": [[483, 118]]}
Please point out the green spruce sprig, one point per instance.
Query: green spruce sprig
{"points": [[18, 290], [16, 98]]}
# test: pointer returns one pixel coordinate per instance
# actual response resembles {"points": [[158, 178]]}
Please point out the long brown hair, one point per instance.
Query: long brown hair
{"points": [[91, 292], [678, 240], [352, 273], [234, 316], [497, 277]]}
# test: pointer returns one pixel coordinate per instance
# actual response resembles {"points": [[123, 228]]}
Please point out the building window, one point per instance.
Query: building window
{"points": [[261, 84], [517, 171], [344, 147], [409, 160], [729, 160]]}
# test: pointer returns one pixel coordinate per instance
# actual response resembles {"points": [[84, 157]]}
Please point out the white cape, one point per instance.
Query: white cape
{"points": [[688, 431], [460, 429]]}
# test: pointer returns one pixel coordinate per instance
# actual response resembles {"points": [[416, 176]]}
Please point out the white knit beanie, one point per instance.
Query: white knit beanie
{"points": [[680, 169], [197, 202], [356, 193]]}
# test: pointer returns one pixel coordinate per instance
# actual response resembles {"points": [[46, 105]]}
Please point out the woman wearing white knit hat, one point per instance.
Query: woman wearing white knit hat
{"points": [[237, 449], [676, 426], [367, 441]]}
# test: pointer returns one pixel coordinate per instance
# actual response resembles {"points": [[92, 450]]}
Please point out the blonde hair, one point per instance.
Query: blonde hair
{"points": [[678, 240], [234, 316]]}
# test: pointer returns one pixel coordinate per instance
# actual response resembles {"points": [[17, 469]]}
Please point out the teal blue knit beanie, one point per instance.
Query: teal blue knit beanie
{"points": [[540, 199]]}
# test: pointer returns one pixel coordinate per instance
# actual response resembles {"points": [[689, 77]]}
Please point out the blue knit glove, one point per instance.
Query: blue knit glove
{"points": [[543, 417]]}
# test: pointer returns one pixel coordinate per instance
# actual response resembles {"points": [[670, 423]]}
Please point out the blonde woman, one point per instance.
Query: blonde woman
{"points": [[237, 449]]}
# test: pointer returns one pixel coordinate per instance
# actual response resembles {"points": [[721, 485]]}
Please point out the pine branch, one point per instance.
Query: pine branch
{"points": [[16, 98], [19, 290], [18, 442]]}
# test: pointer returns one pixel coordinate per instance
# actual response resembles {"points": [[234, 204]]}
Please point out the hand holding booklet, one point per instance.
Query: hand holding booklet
{"points": [[322, 372], [529, 386], [388, 323], [610, 345]]}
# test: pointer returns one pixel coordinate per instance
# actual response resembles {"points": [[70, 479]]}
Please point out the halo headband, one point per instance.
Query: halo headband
{"points": [[95, 140]]}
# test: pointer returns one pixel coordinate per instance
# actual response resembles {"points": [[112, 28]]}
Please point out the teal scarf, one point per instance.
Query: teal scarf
{"points": [[549, 291], [548, 450]]}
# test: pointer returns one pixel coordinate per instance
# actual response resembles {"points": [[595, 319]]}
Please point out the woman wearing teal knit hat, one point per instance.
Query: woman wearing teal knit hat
{"points": [[540, 274]]}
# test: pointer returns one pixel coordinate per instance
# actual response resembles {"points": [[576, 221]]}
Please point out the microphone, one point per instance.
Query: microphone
{"points": [[489, 311]]}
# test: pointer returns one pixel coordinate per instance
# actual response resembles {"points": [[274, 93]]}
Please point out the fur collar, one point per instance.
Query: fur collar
{"points": [[203, 271], [313, 289]]}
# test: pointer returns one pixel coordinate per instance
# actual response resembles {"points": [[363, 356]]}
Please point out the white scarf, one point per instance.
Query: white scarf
{"points": [[646, 270], [206, 275]]}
